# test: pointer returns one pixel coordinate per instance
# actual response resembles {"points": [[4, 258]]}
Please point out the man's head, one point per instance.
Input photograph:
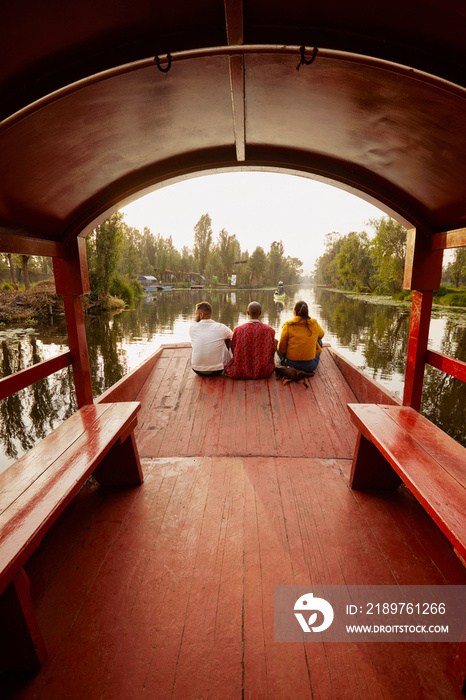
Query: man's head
{"points": [[203, 311], [254, 309]]}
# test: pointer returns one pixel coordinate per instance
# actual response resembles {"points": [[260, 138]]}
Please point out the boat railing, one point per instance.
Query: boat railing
{"points": [[17, 381], [423, 273]]}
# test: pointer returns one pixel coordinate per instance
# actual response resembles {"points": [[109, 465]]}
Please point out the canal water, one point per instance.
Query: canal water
{"points": [[373, 336]]}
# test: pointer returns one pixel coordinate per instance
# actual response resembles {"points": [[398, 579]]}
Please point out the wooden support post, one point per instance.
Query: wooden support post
{"points": [[370, 469], [22, 646], [423, 266], [423, 272], [78, 347], [417, 348], [121, 466], [72, 280]]}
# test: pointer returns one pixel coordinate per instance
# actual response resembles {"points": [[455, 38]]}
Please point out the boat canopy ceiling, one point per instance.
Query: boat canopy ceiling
{"points": [[101, 102]]}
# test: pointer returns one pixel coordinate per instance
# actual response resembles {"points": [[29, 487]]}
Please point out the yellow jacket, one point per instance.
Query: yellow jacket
{"points": [[298, 339]]}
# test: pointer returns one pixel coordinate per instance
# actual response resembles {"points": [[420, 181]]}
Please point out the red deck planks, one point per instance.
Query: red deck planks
{"points": [[167, 590], [210, 656], [185, 414]]}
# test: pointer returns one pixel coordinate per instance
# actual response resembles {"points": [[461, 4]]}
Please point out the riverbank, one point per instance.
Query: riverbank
{"points": [[458, 312], [42, 302], [28, 306]]}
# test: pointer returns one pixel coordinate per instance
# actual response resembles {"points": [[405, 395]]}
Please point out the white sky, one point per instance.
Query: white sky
{"points": [[258, 208]]}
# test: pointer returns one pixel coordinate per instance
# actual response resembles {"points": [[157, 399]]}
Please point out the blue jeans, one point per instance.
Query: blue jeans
{"points": [[304, 365]]}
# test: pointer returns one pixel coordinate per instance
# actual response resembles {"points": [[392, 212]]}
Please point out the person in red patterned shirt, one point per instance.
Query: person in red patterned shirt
{"points": [[253, 345]]}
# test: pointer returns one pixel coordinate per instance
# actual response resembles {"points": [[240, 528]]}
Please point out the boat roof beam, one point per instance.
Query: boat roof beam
{"points": [[449, 239]]}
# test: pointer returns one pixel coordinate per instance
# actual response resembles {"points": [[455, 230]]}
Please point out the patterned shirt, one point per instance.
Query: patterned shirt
{"points": [[253, 346]]}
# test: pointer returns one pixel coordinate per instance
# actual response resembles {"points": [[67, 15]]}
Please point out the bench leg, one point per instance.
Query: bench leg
{"points": [[370, 469], [22, 647], [121, 465]]}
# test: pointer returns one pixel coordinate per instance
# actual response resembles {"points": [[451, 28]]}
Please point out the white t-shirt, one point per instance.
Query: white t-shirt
{"points": [[209, 350]]}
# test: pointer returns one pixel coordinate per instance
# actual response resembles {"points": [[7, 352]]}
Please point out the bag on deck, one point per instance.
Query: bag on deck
{"points": [[290, 374]]}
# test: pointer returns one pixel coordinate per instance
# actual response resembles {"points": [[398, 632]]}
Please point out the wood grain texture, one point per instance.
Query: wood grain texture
{"points": [[37, 488], [430, 463], [185, 415], [168, 590]]}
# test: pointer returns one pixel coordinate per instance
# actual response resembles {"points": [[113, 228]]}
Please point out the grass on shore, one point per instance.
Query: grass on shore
{"points": [[445, 296]]}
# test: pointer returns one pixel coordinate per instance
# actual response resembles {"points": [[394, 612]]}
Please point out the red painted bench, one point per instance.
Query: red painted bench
{"points": [[98, 440], [396, 443]]}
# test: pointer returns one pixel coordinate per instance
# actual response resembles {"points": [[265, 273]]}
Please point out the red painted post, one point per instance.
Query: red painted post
{"points": [[423, 271], [71, 280], [78, 347], [417, 348]]}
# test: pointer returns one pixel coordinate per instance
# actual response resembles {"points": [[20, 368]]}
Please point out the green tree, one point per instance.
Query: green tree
{"points": [[25, 268], [276, 262], [131, 249], [203, 235], [388, 252], [12, 268], [148, 252], [104, 249], [292, 270], [326, 268], [187, 260], [256, 267], [229, 251], [214, 266], [455, 272], [354, 263]]}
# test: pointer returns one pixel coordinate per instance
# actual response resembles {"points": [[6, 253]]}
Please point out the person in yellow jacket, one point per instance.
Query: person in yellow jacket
{"points": [[300, 341]]}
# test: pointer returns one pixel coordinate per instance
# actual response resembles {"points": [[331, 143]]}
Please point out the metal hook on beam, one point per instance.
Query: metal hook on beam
{"points": [[304, 61], [159, 65]]}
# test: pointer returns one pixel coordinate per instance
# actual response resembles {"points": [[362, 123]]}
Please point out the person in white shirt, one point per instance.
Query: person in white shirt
{"points": [[210, 351]]}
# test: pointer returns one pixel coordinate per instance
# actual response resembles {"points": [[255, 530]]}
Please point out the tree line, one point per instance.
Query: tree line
{"points": [[359, 263], [20, 266], [118, 253]]}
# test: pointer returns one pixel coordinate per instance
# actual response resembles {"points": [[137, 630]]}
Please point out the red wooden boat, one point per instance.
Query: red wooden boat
{"points": [[159, 581]]}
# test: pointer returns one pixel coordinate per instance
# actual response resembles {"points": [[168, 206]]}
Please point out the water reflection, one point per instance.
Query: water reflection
{"points": [[372, 336], [32, 413], [377, 333], [443, 397]]}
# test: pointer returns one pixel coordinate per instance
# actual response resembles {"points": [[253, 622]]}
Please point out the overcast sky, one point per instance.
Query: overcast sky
{"points": [[258, 208]]}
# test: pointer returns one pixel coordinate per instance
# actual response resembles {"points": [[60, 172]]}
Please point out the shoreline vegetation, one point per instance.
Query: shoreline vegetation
{"points": [[445, 299], [41, 301], [356, 264]]}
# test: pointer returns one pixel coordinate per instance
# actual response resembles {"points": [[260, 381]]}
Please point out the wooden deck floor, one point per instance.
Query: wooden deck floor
{"points": [[166, 590]]}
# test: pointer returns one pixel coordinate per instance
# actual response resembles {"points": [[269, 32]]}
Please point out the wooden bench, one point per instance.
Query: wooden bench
{"points": [[98, 440], [396, 443]]}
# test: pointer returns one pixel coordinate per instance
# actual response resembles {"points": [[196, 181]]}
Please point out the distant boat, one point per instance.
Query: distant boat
{"points": [[151, 284], [148, 283], [197, 285], [279, 297]]}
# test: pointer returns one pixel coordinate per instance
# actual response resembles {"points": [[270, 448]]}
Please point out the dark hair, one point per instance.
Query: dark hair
{"points": [[204, 306], [301, 309]]}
